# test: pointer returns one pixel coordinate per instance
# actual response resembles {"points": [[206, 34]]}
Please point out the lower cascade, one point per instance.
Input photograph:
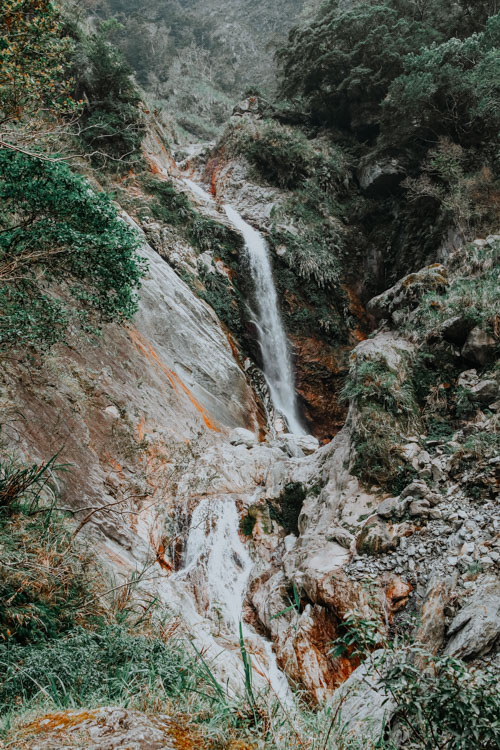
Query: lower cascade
{"points": [[217, 566], [272, 338]]}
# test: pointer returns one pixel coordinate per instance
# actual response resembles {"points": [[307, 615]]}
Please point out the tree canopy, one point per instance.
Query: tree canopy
{"points": [[34, 83], [343, 65], [66, 258]]}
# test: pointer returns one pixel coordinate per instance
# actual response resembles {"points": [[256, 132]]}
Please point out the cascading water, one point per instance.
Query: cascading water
{"points": [[272, 339], [217, 566]]}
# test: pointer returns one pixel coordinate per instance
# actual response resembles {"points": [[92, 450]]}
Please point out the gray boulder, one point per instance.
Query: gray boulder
{"points": [[392, 507], [240, 436], [341, 536], [420, 508], [486, 391], [419, 490], [366, 706], [476, 628], [376, 537], [479, 347]]}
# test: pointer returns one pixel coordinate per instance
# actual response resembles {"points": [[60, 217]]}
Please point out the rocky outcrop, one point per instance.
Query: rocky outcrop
{"points": [[320, 374], [363, 704], [397, 302], [106, 729], [379, 176], [476, 628], [479, 347], [432, 629], [253, 106]]}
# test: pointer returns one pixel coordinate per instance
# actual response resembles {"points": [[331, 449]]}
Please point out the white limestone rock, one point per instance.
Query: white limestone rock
{"points": [[476, 628], [240, 436]]}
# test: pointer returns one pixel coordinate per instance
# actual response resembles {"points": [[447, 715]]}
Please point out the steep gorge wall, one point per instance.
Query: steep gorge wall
{"points": [[123, 413]]}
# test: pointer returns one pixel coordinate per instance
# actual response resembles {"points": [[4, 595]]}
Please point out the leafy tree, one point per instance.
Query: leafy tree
{"points": [[343, 63], [112, 123], [394, 80], [452, 88], [33, 51], [65, 256]]}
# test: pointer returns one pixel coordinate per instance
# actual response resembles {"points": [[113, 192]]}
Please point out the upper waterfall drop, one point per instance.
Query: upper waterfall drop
{"points": [[272, 338]]}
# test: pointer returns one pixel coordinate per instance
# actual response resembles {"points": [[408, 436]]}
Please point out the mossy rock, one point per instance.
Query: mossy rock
{"points": [[376, 538]]}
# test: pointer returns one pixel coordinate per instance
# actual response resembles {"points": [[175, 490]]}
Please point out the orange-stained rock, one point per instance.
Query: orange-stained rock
{"points": [[432, 628], [302, 650], [320, 375], [110, 728], [396, 592]]}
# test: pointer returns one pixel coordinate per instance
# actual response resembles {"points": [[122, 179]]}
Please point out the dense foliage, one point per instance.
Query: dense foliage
{"points": [[414, 84], [33, 53], [111, 126], [345, 62], [65, 256], [44, 579]]}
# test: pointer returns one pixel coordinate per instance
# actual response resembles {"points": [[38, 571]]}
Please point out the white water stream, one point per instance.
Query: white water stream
{"points": [[272, 338], [273, 342], [217, 565]]}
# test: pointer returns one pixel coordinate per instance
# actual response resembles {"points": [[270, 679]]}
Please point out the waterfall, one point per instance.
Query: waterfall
{"points": [[217, 567], [197, 190], [273, 343]]}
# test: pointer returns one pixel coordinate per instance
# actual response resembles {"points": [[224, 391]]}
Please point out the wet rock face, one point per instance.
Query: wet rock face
{"points": [[320, 375], [107, 729], [126, 413]]}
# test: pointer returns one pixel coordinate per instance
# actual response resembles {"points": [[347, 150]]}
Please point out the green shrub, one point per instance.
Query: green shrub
{"points": [[169, 205], [112, 124], [344, 62], [372, 381], [45, 580], [386, 408], [247, 524], [415, 84], [66, 258], [445, 705], [378, 445], [34, 53], [280, 155], [288, 507]]}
